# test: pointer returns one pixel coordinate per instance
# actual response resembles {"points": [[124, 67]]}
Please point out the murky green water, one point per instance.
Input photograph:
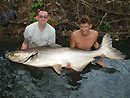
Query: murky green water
{"points": [[20, 81]]}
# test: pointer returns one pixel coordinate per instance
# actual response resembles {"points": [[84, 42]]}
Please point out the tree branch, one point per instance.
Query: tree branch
{"points": [[102, 21]]}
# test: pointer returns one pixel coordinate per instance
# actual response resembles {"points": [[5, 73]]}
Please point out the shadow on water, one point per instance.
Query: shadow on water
{"points": [[21, 81]]}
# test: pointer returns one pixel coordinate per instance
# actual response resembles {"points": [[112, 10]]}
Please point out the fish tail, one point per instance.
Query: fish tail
{"points": [[108, 50]]}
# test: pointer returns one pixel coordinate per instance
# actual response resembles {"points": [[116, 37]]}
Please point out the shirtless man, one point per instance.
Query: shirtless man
{"points": [[85, 37]]}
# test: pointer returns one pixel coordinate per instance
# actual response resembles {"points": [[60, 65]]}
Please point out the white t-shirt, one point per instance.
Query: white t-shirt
{"points": [[35, 37]]}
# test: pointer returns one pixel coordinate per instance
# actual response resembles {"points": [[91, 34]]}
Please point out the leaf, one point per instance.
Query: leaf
{"points": [[41, 4], [33, 5], [108, 1]]}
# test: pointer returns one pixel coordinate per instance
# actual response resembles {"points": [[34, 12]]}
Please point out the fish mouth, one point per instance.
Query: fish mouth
{"points": [[9, 57], [16, 58]]}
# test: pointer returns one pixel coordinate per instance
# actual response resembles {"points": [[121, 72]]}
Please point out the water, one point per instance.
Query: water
{"points": [[20, 81]]}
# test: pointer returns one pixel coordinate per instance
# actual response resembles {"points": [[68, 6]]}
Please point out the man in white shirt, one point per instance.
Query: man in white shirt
{"points": [[39, 33]]}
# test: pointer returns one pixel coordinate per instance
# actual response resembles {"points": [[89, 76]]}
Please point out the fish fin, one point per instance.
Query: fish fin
{"points": [[108, 50], [31, 57], [80, 66], [57, 68], [55, 46]]}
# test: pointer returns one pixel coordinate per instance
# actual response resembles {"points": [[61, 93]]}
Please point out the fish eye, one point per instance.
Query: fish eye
{"points": [[14, 54]]}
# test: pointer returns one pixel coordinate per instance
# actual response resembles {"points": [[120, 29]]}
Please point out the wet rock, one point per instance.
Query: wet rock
{"points": [[6, 16], [10, 14], [3, 19]]}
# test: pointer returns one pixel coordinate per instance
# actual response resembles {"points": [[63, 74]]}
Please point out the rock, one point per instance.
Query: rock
{"points": [[3, 19], [10, 14], [6, 16]]}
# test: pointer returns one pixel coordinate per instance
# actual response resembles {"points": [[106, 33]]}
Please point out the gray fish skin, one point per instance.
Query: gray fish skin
{"points": [[58, 57]]}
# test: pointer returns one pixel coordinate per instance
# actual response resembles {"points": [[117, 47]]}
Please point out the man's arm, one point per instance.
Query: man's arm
{"points": [[26, 39], [96, 45], [72, 42], [24, 45]]}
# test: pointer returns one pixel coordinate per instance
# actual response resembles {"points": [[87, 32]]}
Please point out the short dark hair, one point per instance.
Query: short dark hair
{"points": [[85, 20], [38, 11]]}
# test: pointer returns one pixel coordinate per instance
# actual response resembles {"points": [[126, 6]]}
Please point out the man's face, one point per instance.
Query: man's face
{"points": [[84, 28], [42, 17]]}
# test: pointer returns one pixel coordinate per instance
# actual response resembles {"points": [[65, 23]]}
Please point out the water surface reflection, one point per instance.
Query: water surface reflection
{"points": [[20, 81]]}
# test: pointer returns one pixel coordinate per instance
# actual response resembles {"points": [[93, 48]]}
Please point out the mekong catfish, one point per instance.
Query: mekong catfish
{"points": [[58, 57]]}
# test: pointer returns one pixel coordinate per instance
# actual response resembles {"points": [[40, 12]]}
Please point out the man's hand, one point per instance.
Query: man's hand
{"points": [[102, 55], [24, 45], [101, 63], [96, 45]]}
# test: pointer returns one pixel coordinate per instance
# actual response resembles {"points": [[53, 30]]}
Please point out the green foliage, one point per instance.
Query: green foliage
{"points": [[12, 24], [37, 4], [31, 17], [106, 26], [50, 21], [109, 1], [33, 9], [118, 33]]}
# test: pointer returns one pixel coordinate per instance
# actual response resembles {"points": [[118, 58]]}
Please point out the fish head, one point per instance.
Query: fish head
{"points": [[20, 56]]}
